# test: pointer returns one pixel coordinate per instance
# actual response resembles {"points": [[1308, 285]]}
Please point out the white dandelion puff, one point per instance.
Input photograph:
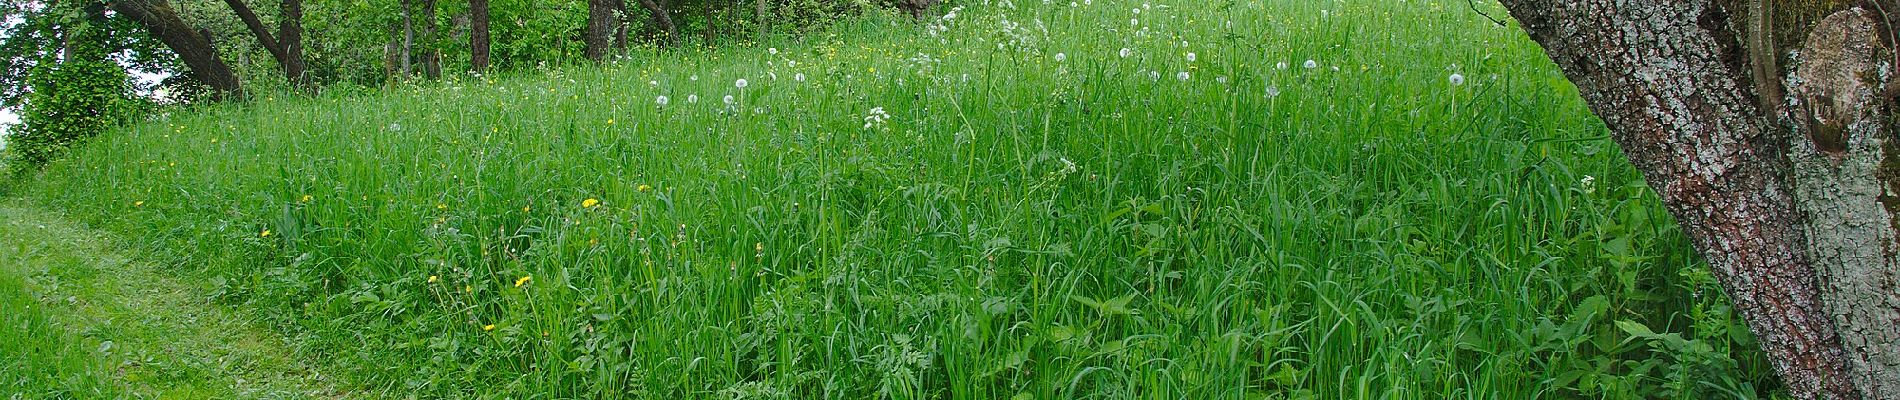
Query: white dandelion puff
{"points": [[1280, 66], [1273, 91], [1126, 52], [741, 83], [1457, 79], [692, 98], [1190, 56], [1310, 64], [1061, 57], [730, 100], [1183, 76], [798, 77], [662, 100]]}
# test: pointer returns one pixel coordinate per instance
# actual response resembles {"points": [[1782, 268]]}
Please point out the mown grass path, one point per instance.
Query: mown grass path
{"points": [[85, 318]]}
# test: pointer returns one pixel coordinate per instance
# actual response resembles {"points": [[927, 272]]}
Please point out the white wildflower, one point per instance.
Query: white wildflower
{"points": [[1191, 56], [692, 98], [1183, 76], [1273, 91], [1310, 64], [1457, 79], [1061, 57], [798, 77], [662, 100], [730, 100], [1126, 52], [876, 118], [741, 83], [1280, 66]]}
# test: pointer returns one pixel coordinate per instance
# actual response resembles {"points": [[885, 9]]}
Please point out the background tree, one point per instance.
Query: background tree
{"points": [[161, 21], [478, 35], [286, 46], [599, 26], [1782, 169], [76, 93]]}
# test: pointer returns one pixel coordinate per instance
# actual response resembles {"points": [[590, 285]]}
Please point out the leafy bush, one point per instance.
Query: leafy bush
{"points": [[72, 99]]}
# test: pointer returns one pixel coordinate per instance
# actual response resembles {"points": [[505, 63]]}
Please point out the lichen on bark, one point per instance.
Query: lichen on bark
{"points": [[1843, 175]]}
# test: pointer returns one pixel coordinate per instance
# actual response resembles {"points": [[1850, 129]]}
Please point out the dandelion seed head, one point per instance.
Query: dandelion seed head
{"points": [[1310, 64], [1457, 79]]}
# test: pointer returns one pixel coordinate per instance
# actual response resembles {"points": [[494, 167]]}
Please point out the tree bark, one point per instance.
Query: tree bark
{"points": [[258, 30], [1794, 219], [764, 18], [664, 20], [595, 37], [620, 24], [408, 40], [478, 35], [290, 36], [431, 54], [158, 18], [287, 45]]}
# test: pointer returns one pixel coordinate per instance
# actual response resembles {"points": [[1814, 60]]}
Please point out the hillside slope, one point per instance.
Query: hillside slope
{"points": [[1107, 198]]}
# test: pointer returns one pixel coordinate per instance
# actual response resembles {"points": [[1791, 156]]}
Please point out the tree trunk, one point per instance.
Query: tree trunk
{"points": [[290, 36], [664, 20], [620, 23], [478, 35], [765, 20], [157, 17], [1790, 199], [408, 40], [258, 30], [595, 38], [431, 54], [287, 45]]}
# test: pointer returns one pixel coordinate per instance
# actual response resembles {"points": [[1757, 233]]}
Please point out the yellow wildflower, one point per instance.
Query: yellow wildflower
{"points": [[433, 278], [590, 203], [440, 206], [265, 233], [610, 121], [523, 281], [526, 208], [489, 327], [138, 203], [306, 199], [644, 188]]}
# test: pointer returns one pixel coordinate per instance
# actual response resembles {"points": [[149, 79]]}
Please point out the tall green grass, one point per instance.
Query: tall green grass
{"points": [[1038, 217]]}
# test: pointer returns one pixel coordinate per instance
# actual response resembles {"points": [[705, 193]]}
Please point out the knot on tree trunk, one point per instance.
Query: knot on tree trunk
{"points": [[1839, 79]]}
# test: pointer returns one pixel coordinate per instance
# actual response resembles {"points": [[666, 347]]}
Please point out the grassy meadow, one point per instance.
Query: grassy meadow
{"points": [[1029, 200]]}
